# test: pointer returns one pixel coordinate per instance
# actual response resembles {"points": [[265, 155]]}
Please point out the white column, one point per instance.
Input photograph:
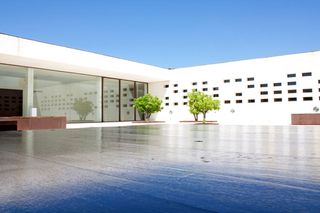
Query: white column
{"points": [[99, 100], [29, 92]]}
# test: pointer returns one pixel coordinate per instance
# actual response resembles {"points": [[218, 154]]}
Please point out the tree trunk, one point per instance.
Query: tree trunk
{"points": [[147, 117], [195, 117], [204, 117]]}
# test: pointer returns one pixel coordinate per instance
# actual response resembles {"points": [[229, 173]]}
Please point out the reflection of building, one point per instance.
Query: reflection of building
{"points": [[258, 91]]}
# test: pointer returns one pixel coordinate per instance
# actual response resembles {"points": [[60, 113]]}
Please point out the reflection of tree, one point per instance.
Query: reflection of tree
{"points": [[82, 107]]}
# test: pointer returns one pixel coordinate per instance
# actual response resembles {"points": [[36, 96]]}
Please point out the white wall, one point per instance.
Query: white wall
{"points": [[264, 71]]}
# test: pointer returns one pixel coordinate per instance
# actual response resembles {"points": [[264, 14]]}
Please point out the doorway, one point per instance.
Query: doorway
{"points": [[10, 102]]}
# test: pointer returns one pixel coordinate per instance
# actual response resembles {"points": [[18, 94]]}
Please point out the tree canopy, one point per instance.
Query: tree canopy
{"points": [[147, 105], [200, 102]]}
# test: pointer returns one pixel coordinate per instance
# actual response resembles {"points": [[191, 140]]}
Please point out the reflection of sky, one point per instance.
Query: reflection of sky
{"points": [[229, 168]]}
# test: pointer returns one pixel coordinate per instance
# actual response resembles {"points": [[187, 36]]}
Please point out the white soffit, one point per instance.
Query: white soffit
{"points": [[23, 52]]}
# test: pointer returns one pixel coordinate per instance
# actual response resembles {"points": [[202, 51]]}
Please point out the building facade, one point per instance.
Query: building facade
{"points": [[88, 87], [83, 86], [258, 91]]}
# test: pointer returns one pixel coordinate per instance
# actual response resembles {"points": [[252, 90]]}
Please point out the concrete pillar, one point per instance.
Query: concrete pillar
{"points": [[28, 97], [99, 100]]}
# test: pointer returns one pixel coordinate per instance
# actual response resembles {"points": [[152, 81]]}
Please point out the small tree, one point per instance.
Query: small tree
{"points": [[82, 107], [200, 102], [147, 105], [194, 97], [207, 104]]}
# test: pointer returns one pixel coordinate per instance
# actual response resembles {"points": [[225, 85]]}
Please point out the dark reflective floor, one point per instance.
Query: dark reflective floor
{"points": [[162, 168]]}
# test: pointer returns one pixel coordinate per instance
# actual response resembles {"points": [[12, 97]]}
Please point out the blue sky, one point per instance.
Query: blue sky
{"points": [[169, 33]]}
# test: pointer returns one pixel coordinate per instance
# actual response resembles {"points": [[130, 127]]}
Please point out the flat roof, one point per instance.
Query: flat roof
{"points": [[25, 52]]}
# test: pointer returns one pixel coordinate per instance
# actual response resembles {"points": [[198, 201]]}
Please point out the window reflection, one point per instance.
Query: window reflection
{"points": [[126, 100], [63, 94], [141, 89], [110, 99]]}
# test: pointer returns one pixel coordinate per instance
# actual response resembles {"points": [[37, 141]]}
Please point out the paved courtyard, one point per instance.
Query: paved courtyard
{"points": [[161, 168]]}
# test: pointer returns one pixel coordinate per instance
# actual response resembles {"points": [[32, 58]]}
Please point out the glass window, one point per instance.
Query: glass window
{"points": [[204, 89], [307, 98], [78, 97], [13, 85], [292, 83], [251, 101], [194, 83], [277, 92], [227, 101], [141, 90], [238, 101], [126, 99], [278, 100], [251, 86], [306, 74], [264, 93], [227, 81], [263, 85], [205, 82], [175, 85], [292, 99], [250, 79], [238, 80], [166, 86], [215, 95], [264, 100], [215, 88], [291, 75], [110, 99], [277, 84], [292, 91], [239, 94], [307, 90], [13, 77]]}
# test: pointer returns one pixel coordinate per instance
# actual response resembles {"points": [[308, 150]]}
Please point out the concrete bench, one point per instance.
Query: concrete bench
{"points": [[31, 123], [305, 119]]}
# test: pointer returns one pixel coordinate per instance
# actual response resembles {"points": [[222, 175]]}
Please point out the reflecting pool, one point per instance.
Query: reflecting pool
{"points": [[161, 168]]}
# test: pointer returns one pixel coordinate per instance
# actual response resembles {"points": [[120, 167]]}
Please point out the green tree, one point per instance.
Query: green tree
{"points": [[200, 102], [206, 104], [194, 97], [82, 107], [147, 105]]}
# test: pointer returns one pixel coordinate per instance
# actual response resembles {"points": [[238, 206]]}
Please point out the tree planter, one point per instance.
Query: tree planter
{"points": [[148, 122], [200, 122]]}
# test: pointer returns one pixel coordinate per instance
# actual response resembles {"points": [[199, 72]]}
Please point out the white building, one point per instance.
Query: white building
{"points": [[54, 79]]}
